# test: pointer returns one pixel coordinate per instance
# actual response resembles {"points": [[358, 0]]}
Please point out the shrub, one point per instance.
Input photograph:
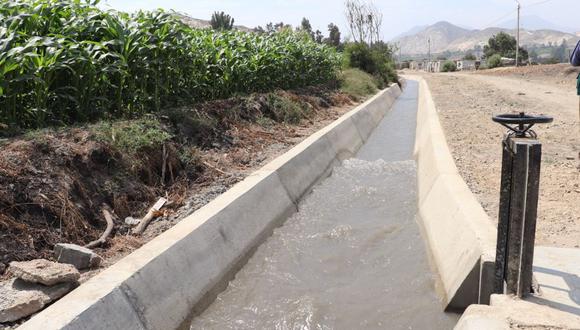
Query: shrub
{"points": [[494, 61], [283, 109], [376, 60], [449, 66], [358, 55], [357, 83], [132, 136]]}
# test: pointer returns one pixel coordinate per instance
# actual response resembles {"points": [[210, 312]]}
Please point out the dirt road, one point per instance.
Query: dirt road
{"points": [[466, 103]]}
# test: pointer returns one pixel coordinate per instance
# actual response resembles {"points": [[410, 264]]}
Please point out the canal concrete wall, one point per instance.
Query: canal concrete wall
{"points": [[507, 312], [183, 269], [460, 235]]}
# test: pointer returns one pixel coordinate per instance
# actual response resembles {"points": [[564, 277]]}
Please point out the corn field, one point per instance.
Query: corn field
{"points": [[68, 61]]}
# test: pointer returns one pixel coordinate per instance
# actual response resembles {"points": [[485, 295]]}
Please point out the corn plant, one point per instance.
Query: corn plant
{"points": [[67, 61]]}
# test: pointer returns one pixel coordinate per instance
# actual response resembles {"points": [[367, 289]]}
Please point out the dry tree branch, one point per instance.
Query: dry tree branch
{"points": [[108, 230]]}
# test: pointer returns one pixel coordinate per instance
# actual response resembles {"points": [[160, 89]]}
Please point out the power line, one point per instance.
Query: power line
{"points": [[513, 11], [499, 19], [537, 3]]}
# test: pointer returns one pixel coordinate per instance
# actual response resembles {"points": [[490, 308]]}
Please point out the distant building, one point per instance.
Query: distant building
{"points": [[416, 65], [506, 61], [434, 66], [466, 65]]}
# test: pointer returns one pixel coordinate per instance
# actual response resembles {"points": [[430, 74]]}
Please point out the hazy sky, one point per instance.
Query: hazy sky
{"points": [[400, 15]]}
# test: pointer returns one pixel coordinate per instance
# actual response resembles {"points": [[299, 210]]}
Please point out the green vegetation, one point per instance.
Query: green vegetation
{"points": [[306, 27], [357, 84], [469, 57], [551, 53], [221, 21], [333, 35], [494, 61], [376, 60], [284, 110], [132, 136], [504, 45], [560, 53], [449, 66], [67, 61]]}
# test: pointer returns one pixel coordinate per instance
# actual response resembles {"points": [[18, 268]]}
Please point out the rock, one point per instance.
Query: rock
{"points": [[19, 299], [44, 272], [2, 268], [76, 255], [132, 221]]}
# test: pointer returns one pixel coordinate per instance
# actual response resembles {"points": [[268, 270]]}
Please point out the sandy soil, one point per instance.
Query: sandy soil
{"points": [[466, 103]]}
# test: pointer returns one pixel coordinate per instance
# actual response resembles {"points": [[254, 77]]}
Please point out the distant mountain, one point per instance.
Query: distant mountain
{"points": [[412, 31], [446, 37], [533, 22]]}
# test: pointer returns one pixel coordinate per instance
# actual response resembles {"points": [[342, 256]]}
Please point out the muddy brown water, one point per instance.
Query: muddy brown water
{"points": [[352, 257]]}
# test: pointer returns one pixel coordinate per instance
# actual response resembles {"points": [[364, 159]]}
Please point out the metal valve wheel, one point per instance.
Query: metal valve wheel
{"points": [[521, 122]]}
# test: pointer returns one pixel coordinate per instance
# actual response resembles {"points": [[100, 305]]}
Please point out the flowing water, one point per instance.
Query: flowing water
{"points": [[352, 257]]}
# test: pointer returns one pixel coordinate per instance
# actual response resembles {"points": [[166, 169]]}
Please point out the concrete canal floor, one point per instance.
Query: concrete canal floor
{"points": [[352, 257]]}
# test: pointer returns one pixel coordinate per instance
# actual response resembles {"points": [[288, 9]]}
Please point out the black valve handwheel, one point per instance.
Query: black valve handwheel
{"points": [[522, 123], [521, 118]]}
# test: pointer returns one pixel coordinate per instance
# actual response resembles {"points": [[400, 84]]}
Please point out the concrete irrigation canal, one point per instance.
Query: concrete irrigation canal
{"points": [[352, 257], [366, 224]]}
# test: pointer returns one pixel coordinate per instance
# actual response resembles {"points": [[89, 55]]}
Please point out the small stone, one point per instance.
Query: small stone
{"points": [[19, 299], [44, 272], [132, 221], [2, 268], [76, 255]]}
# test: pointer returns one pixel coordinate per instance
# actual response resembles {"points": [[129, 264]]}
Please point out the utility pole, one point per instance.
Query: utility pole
{"points": [[429, 64], [518, 35], [400, 54]]}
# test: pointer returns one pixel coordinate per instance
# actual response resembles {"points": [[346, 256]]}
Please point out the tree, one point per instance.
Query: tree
{"points": [[282, 26], [221, 21], [333, 35], [504, 45], [306, 27], [469, 57], [318, 37], [271, 27], [534, 55], [375, 23], [364, 21], [559, 53]]}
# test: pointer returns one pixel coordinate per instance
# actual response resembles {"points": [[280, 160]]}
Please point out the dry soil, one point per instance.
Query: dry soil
{"points": [[466, 103]]}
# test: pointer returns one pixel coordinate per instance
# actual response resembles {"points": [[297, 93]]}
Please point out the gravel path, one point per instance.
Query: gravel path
{"points": [[466, 103]]}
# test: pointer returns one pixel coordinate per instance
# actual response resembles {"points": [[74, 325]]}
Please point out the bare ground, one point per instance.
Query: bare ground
{"points": [[466, 103]]}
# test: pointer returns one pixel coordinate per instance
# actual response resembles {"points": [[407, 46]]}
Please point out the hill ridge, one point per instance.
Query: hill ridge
{"points": [[447, 37]]}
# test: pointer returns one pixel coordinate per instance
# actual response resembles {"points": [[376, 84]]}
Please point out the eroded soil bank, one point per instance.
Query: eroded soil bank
{"points": [[55, 183]]}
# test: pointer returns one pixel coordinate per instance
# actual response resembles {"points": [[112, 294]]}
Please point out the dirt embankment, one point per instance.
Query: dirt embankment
{"points": [[54, 183], [466, 103]]}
